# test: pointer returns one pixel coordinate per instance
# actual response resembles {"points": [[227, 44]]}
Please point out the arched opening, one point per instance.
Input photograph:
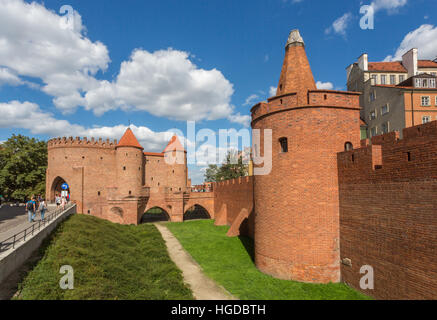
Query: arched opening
{"points": [[59, 189], [348, 146], [155, 214], [196, 212]]}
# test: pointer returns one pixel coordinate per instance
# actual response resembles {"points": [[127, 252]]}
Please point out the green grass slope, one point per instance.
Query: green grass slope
{"points": [[110, 261], [229, 262]]}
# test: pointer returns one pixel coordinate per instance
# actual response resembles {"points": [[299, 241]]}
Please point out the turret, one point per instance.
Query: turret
{"points": [[296, 205], [129, 161], [175, 157]]}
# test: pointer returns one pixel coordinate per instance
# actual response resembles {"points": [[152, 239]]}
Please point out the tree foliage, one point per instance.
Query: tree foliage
{"points": [[23, 164], [233, 167]]}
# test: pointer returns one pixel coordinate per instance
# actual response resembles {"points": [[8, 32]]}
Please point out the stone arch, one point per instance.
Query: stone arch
{"points": [[149, 217], [196, 212], [56, 188]]}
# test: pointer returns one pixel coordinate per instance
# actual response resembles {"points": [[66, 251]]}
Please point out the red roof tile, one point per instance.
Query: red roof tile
{"points": [[174, 145], [154, 154], [426, 64], [129, 140], [395, 66]]}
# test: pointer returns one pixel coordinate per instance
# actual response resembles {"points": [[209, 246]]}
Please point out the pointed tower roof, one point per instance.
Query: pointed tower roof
{"points": [[174, 145], [296, 75], [129, 140]]}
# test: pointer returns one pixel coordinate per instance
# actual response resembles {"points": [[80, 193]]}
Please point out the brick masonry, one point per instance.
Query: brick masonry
{"points": [[388, 213]]}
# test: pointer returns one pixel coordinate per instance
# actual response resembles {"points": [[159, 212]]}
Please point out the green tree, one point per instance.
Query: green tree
{"points": [[23, 164], [232, 168]]}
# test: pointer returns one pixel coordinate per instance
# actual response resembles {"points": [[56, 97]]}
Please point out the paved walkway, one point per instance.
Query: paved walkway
{"points": [[18, 223], [203, 287]]}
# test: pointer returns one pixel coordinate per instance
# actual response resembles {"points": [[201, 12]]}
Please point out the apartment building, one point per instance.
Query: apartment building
{"points": [[396, 94]]}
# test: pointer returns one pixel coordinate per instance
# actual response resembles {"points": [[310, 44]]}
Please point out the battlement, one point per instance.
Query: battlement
{"points": [[315, 98], [71, 142], [393, 159], [237, 181]]}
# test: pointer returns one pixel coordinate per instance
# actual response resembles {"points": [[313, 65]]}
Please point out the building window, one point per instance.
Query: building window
{"points": [[432, 83], [401, 78], [98, 193], [392, 79], [383, 79], [124, 168], [426, 101], [372, 115], [425, 83], [374, 79], [284, 145], [373, 132], [385, 128], [372, 96], [384, 109], [348, 146], [418, 83], [426, 119]]}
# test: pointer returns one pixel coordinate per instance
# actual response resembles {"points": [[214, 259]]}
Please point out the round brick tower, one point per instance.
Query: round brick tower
{"points": [[129, 161], [296, 205], [175, 157]]}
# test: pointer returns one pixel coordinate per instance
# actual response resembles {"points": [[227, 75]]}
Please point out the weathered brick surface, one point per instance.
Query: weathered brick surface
{"points": [[388, 213]]}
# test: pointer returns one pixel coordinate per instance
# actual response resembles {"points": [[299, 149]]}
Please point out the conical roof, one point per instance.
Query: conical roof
{"points": [[296, 74], [174, 145], [129, 140]]}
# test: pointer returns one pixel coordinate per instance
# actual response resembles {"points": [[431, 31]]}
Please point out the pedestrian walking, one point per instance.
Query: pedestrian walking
{"points": [[58, 200], [31, 209], [42, 208], [63, 203]]}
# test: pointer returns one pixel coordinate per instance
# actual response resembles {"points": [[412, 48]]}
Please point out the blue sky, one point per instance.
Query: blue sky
{"points": [[160, 63]]}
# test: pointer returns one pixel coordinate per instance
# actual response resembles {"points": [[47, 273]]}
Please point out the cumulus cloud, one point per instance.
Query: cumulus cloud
{"points": [[16, 114], [164, 83], [324, 85], [272, 91], [38, 43], [340, 25], [423, 38], [244, 120], [390, 5]]}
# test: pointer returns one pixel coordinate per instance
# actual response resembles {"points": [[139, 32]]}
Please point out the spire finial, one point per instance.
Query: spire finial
{"points": [[295, 38]]}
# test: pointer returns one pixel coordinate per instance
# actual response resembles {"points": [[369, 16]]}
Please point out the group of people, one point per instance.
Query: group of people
{"points": [[34, 205], [61, 200]]}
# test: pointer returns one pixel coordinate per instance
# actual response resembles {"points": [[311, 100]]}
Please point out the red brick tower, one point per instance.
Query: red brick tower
{"points": [[129, 161], [175, 157], [296, 205]]}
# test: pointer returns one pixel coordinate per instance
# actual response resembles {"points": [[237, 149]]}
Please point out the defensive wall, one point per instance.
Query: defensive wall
{"points": [[388, 213]]}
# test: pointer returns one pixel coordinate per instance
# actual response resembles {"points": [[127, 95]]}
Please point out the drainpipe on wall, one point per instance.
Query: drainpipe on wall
{"points": [[412, 109]]}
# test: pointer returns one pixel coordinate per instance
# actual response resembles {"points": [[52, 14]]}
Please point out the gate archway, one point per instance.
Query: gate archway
{"points": [[155, 214], [57, 188], [196, 212]]}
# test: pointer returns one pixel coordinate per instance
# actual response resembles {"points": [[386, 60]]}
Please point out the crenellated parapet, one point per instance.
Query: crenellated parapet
{"points": [[71, 142], [233, 182], [391, 159], [314, 99]]}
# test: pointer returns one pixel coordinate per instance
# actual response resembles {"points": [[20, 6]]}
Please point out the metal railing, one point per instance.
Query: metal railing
{"points": [[34, 228]]}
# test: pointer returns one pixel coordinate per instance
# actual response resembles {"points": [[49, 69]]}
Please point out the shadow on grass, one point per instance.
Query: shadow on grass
{"points": [[249, 246]]}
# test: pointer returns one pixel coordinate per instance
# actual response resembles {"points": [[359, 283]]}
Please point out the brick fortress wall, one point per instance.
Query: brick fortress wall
{"points": [[388, 213]]}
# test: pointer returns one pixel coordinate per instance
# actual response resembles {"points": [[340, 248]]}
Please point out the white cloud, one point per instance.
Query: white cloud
{"points": [[241, 119], [164, 83], [272, 91], [35, 42], [324, 85], [340, 25], [390, 5], [423, 38], [16, 114], [251, 99]]}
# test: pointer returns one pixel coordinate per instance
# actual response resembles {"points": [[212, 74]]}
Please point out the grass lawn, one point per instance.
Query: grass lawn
{"points": [[227, 261], [110, 261]]}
